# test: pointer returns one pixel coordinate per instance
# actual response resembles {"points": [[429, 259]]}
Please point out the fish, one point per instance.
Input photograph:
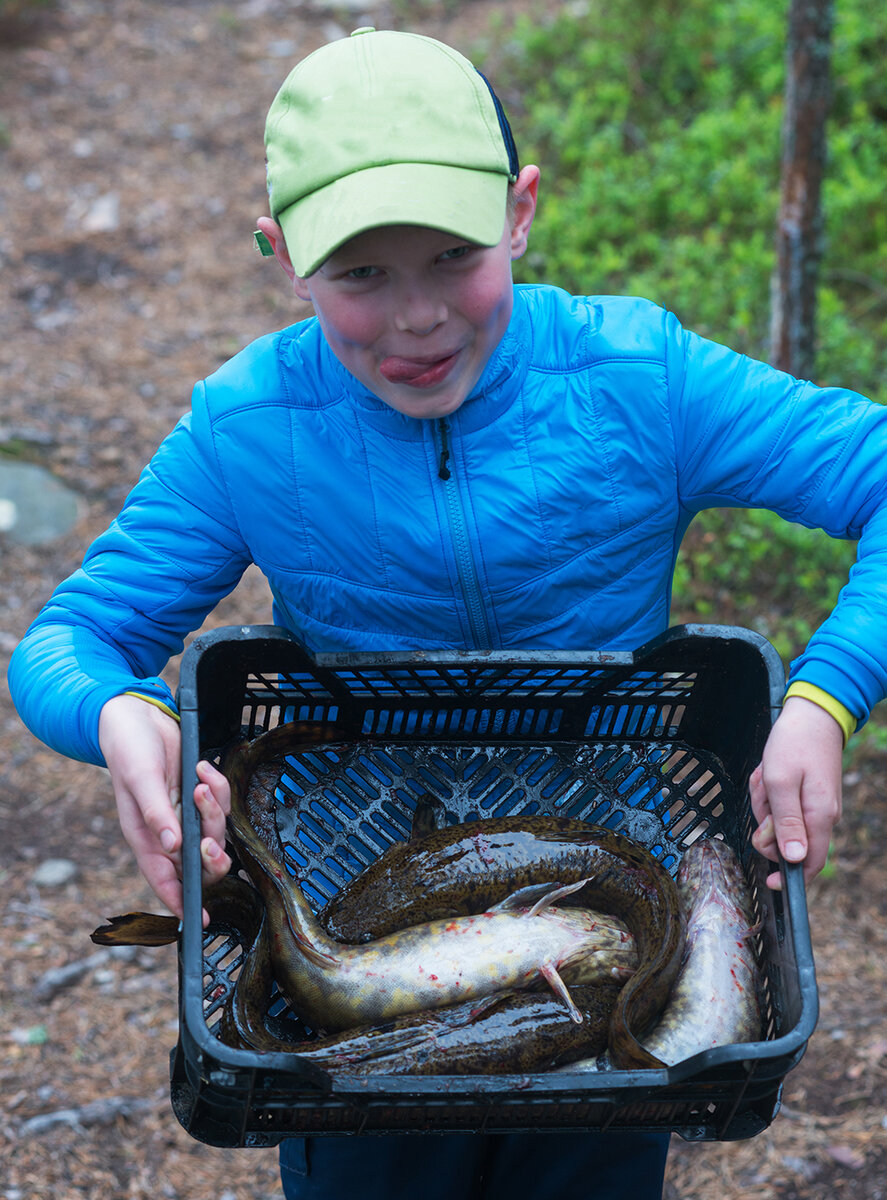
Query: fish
{"points": [[231, 902], [715, 1000], [504, 1033], [470, 867], [513, 943], [507, 1032]]}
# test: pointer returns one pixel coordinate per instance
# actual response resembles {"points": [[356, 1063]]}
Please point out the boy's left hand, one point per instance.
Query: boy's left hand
{"points": [[796, 789]]}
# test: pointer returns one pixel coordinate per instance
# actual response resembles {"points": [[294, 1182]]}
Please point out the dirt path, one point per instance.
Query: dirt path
{"points": [[130, 177]]}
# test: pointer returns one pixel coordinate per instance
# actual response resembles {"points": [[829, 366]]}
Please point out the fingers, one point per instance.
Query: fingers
{"points": [[795, 792], [212, 798], [142, 749], [163, 876], [212, 813], [216, 786], [764, 839]]}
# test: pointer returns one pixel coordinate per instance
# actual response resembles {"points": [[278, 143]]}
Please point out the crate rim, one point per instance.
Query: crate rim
{"points": [[227, 634]]}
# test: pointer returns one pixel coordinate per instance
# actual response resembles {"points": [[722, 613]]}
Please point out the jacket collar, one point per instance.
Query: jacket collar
{"points": [[495, 391]]}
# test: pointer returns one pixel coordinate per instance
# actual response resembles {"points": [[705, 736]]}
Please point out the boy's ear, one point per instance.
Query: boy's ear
{"points": [[525, 191], [274, 234]]}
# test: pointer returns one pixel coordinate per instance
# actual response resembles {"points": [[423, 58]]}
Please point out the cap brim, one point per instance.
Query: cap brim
{"points": [[467, 203]]}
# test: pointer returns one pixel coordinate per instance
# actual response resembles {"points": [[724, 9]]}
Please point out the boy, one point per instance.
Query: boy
{"points": [[451, 462]]}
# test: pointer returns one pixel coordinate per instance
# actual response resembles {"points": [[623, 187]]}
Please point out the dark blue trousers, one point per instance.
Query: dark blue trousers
{"points": [[454, 1166]]}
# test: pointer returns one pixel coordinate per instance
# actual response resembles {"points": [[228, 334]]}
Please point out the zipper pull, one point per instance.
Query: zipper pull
{"points": [[443, 471]]}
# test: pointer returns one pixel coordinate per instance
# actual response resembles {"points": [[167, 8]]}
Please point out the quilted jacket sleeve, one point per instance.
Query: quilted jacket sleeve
{"points": [[749, 436], [147, 582]]}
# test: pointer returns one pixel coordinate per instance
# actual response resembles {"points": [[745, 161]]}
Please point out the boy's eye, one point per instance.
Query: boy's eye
{"points": [[456, 252], [362, 272]]}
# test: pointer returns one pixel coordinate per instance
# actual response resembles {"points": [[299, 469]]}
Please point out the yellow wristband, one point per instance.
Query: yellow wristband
{"points": [[834, 708], [170, 712]]}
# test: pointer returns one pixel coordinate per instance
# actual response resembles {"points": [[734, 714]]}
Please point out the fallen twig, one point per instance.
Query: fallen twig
{"points": [[96, 1112], [56, 979]]}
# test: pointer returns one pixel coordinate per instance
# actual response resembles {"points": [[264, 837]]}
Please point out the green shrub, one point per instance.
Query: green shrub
{"points": [[657, 125], [749, 567]]}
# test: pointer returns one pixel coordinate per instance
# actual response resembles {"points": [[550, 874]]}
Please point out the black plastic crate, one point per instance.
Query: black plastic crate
{"points": [[658, 743]]}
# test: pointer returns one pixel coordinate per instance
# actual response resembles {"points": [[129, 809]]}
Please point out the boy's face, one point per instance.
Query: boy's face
{"points": [[415, 313]]}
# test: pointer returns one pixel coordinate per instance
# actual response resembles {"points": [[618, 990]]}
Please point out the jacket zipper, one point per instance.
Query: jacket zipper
{"points": [[468, 581]]}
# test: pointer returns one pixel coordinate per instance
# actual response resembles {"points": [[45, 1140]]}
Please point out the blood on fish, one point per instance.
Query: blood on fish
{"points": [[483, 850]]}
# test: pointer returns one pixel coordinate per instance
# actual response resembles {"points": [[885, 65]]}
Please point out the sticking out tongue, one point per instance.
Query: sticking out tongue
{"points": [[408, 370]]}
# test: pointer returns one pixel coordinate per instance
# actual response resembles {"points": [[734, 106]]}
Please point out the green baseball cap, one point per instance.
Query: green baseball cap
{"points": [[385, 128]]}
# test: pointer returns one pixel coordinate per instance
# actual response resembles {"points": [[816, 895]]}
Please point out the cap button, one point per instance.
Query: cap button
{"points": [[364, 29]]}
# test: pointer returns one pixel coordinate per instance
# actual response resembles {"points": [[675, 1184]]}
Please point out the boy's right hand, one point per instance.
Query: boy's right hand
{"points": [[142, 748]]}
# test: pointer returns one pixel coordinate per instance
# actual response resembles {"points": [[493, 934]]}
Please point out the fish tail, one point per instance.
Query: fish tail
{"points": [[137, 929], [752, 931]]}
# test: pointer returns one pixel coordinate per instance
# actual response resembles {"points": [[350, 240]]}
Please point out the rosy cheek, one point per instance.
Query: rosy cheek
{"points": [[351, 324], [488, 304]]}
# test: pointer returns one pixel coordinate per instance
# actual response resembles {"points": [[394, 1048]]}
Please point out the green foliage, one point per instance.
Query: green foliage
{"points": [[870, 742], [657, 125], [749, 567]]}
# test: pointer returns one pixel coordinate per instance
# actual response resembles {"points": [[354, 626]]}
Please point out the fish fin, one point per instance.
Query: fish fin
{"points": [[549, 973], [394, 1040], [526, 897], [752, 931], [137, 929], [537, 896], [430, 815], [558, 893], [486, 1005]]}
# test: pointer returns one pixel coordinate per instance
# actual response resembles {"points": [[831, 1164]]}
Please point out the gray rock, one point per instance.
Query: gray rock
{"points": [[55, 872], [35, 506]]}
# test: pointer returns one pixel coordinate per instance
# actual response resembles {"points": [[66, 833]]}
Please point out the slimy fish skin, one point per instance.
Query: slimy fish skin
{"points": [[714, 1001], [464, 868], [715, 998], [513, 943], [506, 1033]]}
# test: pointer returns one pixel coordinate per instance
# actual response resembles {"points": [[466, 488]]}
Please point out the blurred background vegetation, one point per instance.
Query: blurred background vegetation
{"points": [[657, 124]]}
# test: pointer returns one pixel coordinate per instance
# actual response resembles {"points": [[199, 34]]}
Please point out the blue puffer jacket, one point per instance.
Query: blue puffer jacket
{"points": [[546, 513]]}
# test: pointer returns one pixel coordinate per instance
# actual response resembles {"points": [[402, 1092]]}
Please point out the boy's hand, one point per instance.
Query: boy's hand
{"points": [[796, 790], [141, 745]]}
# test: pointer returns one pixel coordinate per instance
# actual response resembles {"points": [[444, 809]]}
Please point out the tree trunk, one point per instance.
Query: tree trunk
{"points": [[799, 227]]}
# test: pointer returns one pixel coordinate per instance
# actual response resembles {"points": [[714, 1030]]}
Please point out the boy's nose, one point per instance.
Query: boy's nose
{"points": [[418, 312]]}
